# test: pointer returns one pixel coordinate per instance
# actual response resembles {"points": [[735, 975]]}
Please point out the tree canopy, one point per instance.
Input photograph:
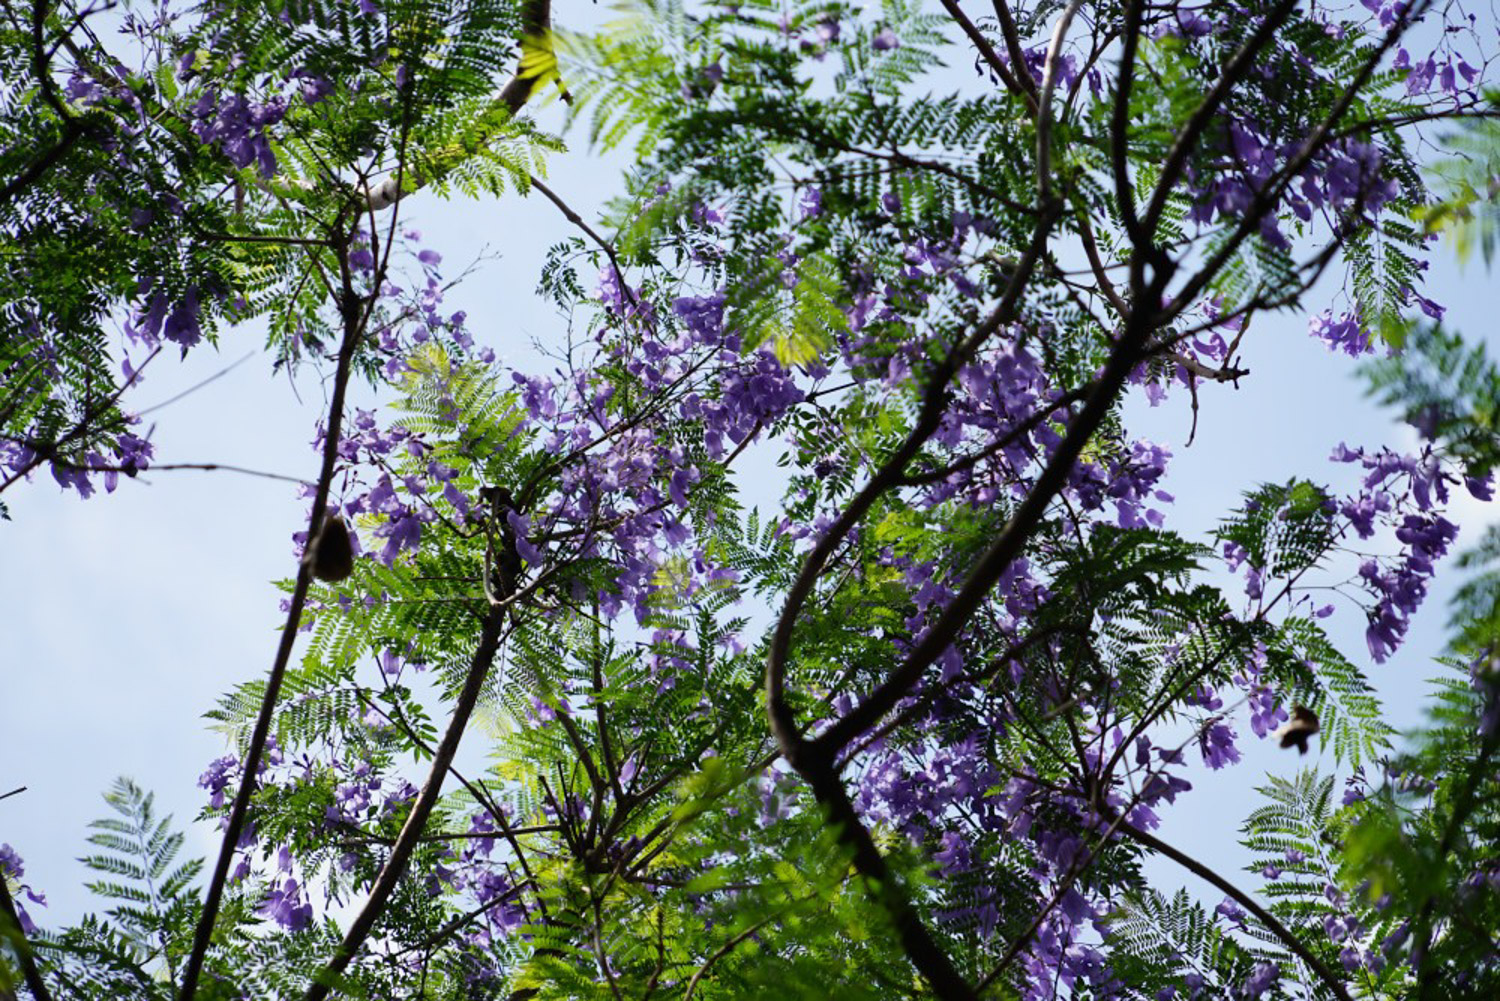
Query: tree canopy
{"points": [[910, 731]]}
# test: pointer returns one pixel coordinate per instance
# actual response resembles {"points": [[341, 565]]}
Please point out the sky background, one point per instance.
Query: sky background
{"points": [[129, 615]]}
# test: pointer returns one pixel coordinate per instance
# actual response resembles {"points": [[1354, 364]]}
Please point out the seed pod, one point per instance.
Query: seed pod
{"points": [[1295, 731], [330, 555]]}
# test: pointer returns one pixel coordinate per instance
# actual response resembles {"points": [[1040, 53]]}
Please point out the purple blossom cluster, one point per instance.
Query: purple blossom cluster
{"points": [[237, 126], [1403, 492], [1344, 333], [359, 796], [13, 869], [1345, 176], [622, 484], [129, 453], [160, 317]]}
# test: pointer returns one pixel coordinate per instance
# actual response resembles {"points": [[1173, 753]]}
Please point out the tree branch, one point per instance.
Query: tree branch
{"points": [[24, 955], [203, 934], [1044, 103], [411, 831], [1266, 918], [991, 57]]}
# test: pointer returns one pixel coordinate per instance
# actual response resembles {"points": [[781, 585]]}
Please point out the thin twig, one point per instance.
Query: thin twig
{"points": [[577, 220], [199, 385]]}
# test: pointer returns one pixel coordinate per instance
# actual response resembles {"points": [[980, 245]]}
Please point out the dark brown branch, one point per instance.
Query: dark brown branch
{"points": [[924, 952], [815, 761], [478, 792], [1013, 44], [72, 127], [994, 562], [46, 451], [729, 946], [1120, 131], [38, 167], [172, 467], [1238, 66], [458, 923], [1225, 373], [29, 972], [411, 831], [1292, 942], [203, 934], [783, 726], [991, 57], [1269, 194], [1037, 417]]}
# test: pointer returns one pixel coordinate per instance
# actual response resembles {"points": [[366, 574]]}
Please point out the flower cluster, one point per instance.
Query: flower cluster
{"points": [[12, 868], [1404, 492]]}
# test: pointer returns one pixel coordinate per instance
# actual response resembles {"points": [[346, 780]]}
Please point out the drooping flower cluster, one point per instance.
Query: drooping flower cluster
{"points": [[1404, 492], [13, 868]]}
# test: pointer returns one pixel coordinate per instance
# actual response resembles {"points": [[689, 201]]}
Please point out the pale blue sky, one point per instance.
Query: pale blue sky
{"points": [[129, 615]]}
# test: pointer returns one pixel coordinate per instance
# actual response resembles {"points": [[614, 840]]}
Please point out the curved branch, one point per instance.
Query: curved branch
{"points": [[991, 57], [783, 725], [920, 947], [1199, 120], [994, 562], [1246, 901], [1120, 130], [203, 934], [1013, 44]]}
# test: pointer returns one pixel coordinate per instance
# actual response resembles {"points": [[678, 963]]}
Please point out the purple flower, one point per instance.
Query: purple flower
{"points": [[811, 203], [10, 863], [181, 325], [216, 779], [953, 855], [1342, 334], [1217, 746], [1231, 912], [285, 906], [885, 40], [1262, 979]]}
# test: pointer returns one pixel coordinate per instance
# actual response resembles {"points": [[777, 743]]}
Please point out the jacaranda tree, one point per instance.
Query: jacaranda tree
{"points": [[907, 734]]}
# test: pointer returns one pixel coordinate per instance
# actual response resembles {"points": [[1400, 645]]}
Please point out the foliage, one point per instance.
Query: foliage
{"points": [[908, 733]]}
